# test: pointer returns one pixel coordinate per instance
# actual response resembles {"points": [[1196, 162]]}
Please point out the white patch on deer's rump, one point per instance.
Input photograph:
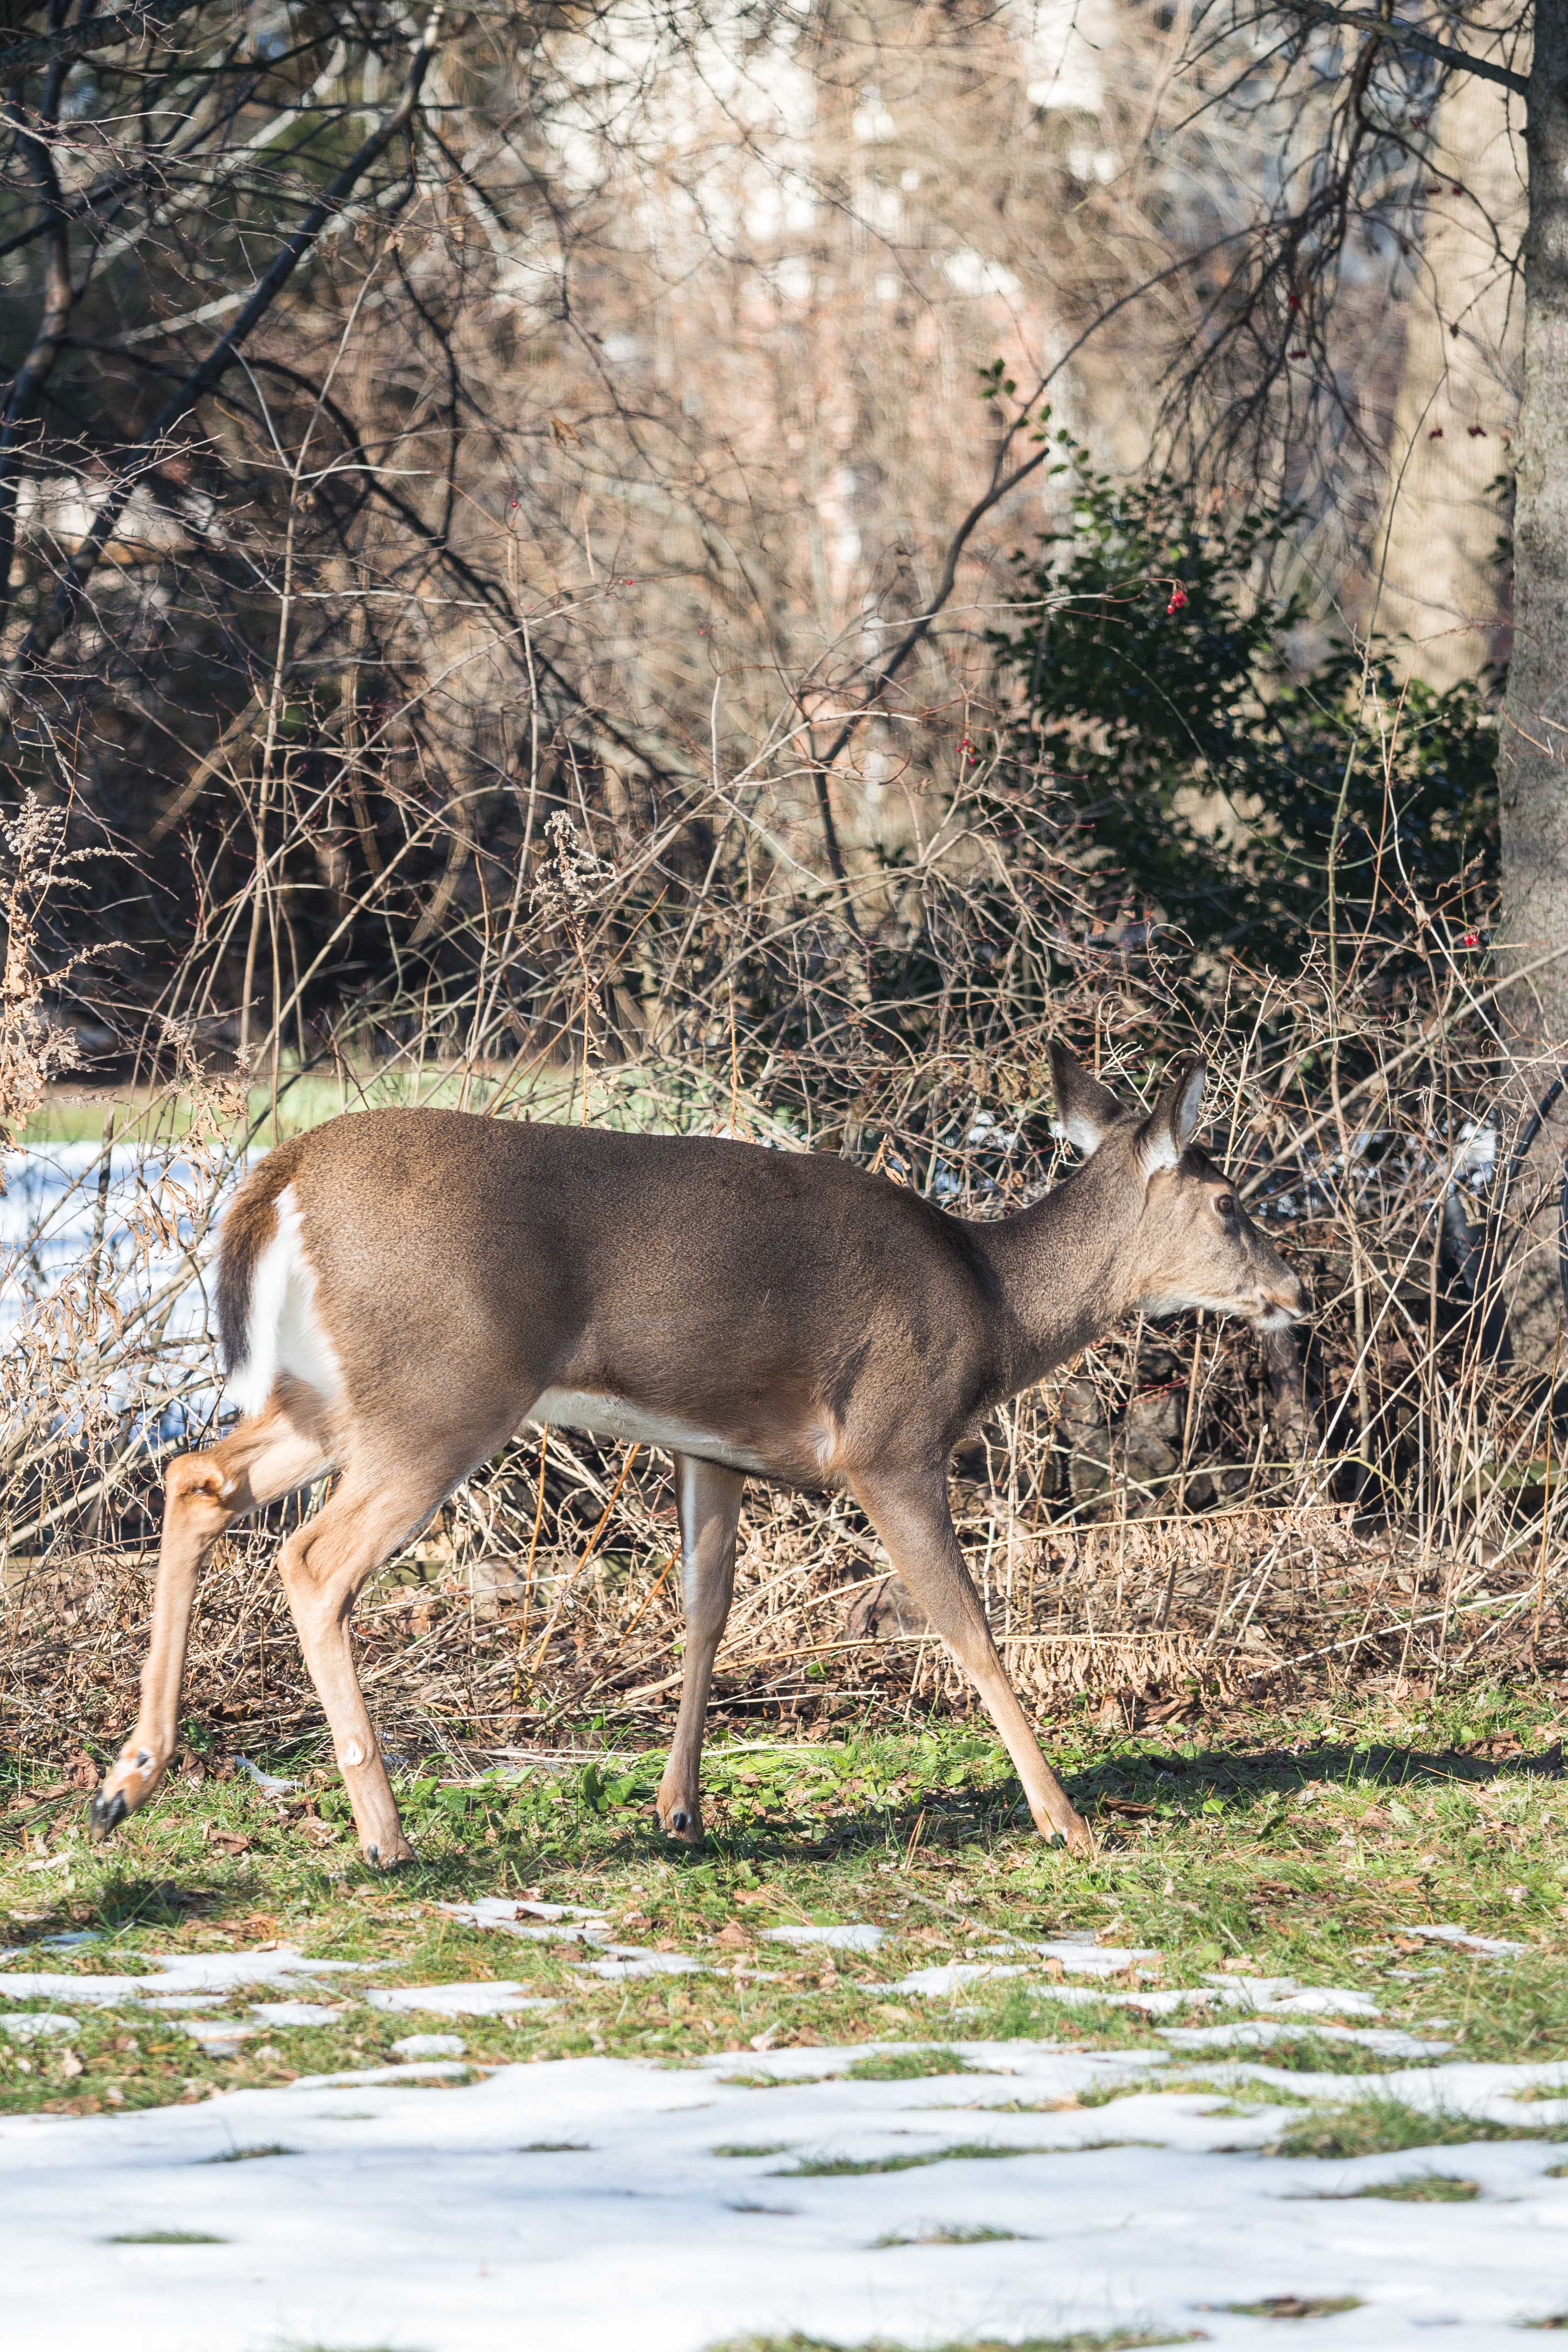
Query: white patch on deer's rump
{"points": [[283, 1331], [627, 1423]]}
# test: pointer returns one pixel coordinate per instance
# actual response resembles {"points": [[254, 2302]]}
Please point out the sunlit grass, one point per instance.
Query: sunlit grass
{"points": [[1296, 1846]]}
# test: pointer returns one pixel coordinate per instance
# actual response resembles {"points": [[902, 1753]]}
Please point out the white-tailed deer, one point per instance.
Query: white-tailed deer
{"points": [[399, 1290]]}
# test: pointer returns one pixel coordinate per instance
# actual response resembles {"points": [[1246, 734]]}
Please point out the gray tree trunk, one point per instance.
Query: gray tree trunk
{"points": [[1533, 745], [1442, 599]]}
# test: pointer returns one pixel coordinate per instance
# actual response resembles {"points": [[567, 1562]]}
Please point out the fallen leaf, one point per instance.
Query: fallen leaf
{"points": [[226, 1840]]}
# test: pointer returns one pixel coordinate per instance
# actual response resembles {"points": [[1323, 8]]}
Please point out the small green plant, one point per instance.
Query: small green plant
{"points": [[1425, 2189], [834, 2168], [1310, 2053], [1388, 2128], [1293, 2306], [764, 2147], [948, 2234], [1120, 2339], [1213, 777], [165, 2238], [909, 2065]]}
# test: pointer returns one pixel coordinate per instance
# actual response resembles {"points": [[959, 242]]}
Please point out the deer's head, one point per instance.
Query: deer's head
{"points": [[1190, 1241]]}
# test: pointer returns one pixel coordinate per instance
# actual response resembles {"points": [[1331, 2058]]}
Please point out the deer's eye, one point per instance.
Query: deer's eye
{"points": [[1225, 1208]]}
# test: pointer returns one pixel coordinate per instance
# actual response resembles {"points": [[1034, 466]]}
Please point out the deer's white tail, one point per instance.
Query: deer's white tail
{"points": [[268, 1316]]}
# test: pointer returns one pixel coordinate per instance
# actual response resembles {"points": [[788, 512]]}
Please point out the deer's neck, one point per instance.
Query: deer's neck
{"points": [[1066, 1269]]}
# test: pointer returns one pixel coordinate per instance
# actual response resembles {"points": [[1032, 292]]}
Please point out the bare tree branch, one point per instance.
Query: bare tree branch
{"points": [[1361, 20], [50, 627], [20, 58]]}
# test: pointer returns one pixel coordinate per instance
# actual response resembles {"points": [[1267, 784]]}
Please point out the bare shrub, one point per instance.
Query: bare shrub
{"points": [[1173, 1522]]}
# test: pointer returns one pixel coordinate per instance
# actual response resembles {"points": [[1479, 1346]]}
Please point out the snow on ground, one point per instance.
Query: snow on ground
{"points": [[53, 1217], [590, 2204], [138, 1232], [176, 1979], [586, 2205]]}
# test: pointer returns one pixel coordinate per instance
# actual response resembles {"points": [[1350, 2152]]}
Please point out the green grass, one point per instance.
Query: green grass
{"points": [[625, 1096], [954, 2235], [1308, 2053], [1293, 2307], [1388, 2128], [835, 2168], [246, 2155], [1424, 2188], [1295, 1844], [909, 2066], [165, 2238], [1120, 2339], [762, 2147]]}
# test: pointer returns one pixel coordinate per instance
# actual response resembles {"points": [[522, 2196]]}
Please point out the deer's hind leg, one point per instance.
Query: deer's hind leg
{"points": [[383, 1500], [707, 1503], [270, 1455]]}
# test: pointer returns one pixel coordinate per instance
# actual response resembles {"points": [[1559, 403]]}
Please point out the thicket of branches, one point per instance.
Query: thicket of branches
{"points": [[528, 581]]}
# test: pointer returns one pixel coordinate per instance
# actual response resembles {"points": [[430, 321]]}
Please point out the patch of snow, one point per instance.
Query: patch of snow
{"points": [[632, 1960], [949, 1976], [406, 2070], [33, 2026], [1284, 1996], [1082, 1957], [430, 2045], [155, 1201], [218, 2036], [855, 1938], [502, 1999], [1152, 2003], [295, 2013], [271, 1783], [501, 1911], [177, 1973], [946, 1975], [431, 2221], [1492, 1947]]}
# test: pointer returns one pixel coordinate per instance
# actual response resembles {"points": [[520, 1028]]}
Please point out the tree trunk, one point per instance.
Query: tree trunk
{"points": [[1533, 763], [1441, 596]]}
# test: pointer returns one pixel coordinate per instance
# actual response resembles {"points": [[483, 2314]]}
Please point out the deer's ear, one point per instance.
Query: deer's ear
{"points": [[1086, 1110], [1173, 1122]]}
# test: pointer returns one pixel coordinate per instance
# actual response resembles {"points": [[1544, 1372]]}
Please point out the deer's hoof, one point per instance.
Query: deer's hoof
{"points": [[1077, 1837], [395, 1855], [105, 1815], [683, 1822]]}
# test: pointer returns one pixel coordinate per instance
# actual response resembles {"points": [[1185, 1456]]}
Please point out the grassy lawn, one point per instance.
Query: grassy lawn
{"points": [[1307, 1852]]}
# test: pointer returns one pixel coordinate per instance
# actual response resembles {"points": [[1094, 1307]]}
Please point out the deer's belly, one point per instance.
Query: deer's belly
{"points": [[626, 1424]]}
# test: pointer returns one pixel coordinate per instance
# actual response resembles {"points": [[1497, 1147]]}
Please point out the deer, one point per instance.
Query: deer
{"points": [[399, 1290]]}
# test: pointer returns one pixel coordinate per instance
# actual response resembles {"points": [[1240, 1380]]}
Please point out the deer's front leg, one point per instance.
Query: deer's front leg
{"points": [[911, 1517], [707, 1504]]}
